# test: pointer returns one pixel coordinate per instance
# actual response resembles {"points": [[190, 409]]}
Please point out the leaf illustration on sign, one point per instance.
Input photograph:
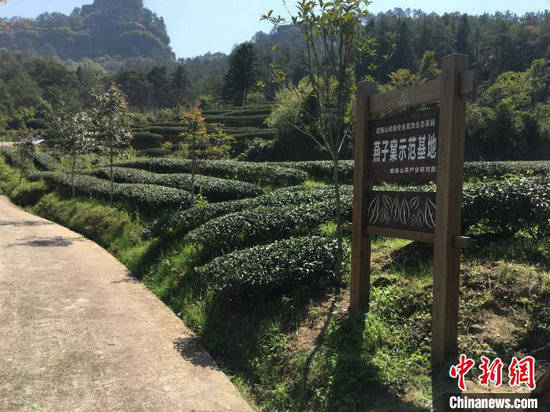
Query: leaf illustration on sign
{"points": [[403, 210], [430, 213]]}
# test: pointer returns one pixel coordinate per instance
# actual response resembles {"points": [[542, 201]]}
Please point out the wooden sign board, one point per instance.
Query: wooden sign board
{"points": [[404, 148], [414, 147]]}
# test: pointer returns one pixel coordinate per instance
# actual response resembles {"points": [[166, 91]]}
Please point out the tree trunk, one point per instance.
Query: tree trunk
{"points": [[193, 166], [338, 204], [112, 175], [73, 170]]}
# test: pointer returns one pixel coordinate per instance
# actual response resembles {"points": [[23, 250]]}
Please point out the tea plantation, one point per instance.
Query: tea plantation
{"points": [[250, 266]]}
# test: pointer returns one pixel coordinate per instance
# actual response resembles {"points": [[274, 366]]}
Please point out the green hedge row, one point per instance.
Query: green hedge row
{"points": [[229, 120], [215, 189], [260, 108], [14, 160], [145, 140], [323, 169], [45, 161], [258, 173], [143, 196], [262, 225], [509, 205], [255, 272], [499, 170], [181, 222], [265, 133], [166, 131]]}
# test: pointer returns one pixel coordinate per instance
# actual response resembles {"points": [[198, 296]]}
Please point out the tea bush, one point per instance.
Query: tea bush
{"points": [[183, 221], [499, 170], [143, 196], [251, 273], [323, 169], [262, 225], [145, 140], [259, 173], [237, 121], [508, 206], [14, 159], [215, 189], [44, 161]]}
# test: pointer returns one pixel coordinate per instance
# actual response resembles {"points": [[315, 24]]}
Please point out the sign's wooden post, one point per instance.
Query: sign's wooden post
{"points": [[450, 164], [361, 248]]}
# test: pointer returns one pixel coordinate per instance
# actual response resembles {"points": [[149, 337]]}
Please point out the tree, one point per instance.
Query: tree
{"points": [[428, 66], [158, 79], [111, 121], [201, 142], [333, 32], [25, 149], [179, 86], [242, 74], [74, 137], [463, 36]]}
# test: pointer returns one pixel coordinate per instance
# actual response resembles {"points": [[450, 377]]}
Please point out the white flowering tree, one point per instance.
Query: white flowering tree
{"points": [[111, 119], [74, 137], [25, 147]]}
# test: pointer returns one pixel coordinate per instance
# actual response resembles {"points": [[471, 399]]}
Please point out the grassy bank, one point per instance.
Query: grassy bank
{"points": [[303, 350]]}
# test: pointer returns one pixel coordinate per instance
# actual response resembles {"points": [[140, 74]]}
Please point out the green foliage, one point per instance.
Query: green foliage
{"points": [[161, 152], [182, 222], [237, 121], [322, 170], [215, 189], [253, 273], [15, 159], [45, 161], [144, 140], [261, 225], [241, 75], [123, 28], [509, 206], [248, 172], [150, 198]]}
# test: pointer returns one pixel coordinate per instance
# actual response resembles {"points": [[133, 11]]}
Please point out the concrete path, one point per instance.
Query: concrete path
{"points": [[77, 334]]}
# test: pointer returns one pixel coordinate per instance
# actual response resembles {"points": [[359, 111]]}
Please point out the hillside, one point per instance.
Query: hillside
{"points": [[121, 30]]}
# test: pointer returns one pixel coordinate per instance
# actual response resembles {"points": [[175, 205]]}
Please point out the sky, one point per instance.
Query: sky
{"points": [[200, 26]]}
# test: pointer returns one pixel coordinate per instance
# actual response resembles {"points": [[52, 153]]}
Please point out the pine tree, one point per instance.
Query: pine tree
{"points": [[242, 74]]}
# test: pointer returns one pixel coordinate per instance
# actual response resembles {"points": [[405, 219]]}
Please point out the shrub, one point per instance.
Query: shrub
{"points": [[261, 225], [498, 170], [508, 206], [166, 131], [228, 169], [144, 140], [272, 268], [322, 169], [143, 196], [14, 159], [182, 222], [215, 189], [237, 121], [44, 161]]}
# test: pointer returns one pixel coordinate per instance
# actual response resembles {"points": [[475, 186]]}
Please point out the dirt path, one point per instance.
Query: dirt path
{"points": [[76, 333]]}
